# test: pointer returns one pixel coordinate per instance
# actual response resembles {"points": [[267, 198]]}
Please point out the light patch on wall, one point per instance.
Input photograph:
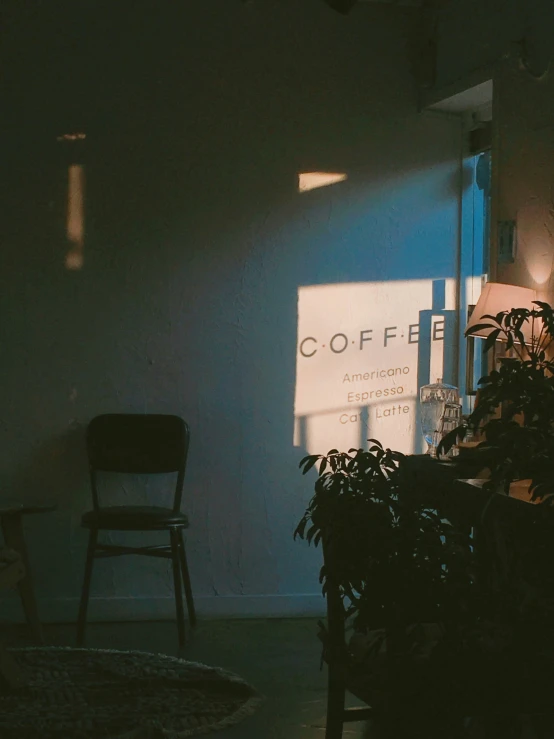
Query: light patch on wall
{"points": [[473, 288], [75, 216], [363, 351], [535, 233], [71, 137], [312, 180]]}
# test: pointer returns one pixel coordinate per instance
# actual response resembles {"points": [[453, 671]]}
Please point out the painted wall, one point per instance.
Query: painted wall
{"points": [[525, 161], [197, 246], [476, 34], [513, 39], [471, 34]]}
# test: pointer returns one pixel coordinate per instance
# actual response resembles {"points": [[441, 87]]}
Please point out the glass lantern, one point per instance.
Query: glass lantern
{"points": [[433, 401]]}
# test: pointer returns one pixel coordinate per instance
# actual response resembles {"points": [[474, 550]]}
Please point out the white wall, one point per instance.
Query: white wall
{"points": [[512, 39], [197, 245], [525, 160]]}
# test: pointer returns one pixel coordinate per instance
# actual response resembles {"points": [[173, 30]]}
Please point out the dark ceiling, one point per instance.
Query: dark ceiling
{"points": [[60, 56]]}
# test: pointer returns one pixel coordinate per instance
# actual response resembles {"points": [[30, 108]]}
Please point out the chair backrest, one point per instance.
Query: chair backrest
{"points": [[138, 444]]}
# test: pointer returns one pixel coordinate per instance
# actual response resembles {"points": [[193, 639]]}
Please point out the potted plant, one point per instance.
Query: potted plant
{"points": [[515, 416], [519, 445], [426, 648], [403, 572]]}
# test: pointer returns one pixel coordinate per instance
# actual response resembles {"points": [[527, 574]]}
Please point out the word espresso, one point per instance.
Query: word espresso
{"points": [[380, 374], [369, 394]]}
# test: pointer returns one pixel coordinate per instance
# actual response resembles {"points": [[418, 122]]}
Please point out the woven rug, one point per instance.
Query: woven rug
{"points": [[106, 694]]}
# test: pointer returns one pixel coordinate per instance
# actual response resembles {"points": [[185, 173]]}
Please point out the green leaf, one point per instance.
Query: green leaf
{"points": [[309, 463], [520, 337], [299, 531], [479, 327], [491, 339]]}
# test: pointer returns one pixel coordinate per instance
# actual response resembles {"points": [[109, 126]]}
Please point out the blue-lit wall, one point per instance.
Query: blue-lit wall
{"points": [[197, 243]]}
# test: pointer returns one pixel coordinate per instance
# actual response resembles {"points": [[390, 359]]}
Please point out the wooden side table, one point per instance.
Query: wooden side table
{"points": [[11, 573], [11, 523]]}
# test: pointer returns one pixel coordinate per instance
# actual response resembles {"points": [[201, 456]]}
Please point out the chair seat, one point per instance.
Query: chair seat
{"points": [[134, 518]]}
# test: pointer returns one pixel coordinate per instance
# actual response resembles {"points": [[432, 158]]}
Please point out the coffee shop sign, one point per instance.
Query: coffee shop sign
{"points": [[340, 342]]}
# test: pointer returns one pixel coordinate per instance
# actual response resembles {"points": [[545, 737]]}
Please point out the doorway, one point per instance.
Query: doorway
{"points": [[474, 266]]}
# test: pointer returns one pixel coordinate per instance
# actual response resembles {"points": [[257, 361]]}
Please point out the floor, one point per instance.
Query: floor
{"points": [[279, 657]]}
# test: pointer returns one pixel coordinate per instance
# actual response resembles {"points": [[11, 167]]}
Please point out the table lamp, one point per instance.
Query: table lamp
{"points": [[495, 297]]}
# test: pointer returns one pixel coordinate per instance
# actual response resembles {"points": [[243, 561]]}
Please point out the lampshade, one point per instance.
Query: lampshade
{"points": [[496, 297]]}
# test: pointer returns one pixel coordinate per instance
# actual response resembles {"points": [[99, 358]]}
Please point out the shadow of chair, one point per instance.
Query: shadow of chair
{"points": [[138, 444]]}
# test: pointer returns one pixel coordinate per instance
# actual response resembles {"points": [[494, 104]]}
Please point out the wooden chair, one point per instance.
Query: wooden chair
{"points": [[138, 444]]}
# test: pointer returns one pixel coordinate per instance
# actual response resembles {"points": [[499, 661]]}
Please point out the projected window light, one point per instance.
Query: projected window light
{"points": [[363, 351], [535, 227], [312, 180], [71, 137], [72, 143], [75, 216]]}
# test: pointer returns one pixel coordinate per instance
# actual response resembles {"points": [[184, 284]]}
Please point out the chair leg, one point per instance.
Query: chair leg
{"points": [[14, 537], [81, 622], [186, 581], [174, 534], [12, 676], [335, 704]]}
